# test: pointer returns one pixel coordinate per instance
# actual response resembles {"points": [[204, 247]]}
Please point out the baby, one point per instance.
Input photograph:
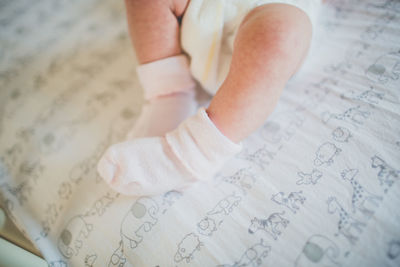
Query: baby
{"points": [[241, 51]]}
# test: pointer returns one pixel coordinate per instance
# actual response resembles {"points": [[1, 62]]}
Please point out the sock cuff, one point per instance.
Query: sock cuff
{"points": [[213, 136], [200, 146], [166, 76]]}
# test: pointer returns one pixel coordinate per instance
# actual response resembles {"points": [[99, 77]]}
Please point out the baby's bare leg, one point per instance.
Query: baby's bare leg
{"points": [[270, 46], [154, 27]]}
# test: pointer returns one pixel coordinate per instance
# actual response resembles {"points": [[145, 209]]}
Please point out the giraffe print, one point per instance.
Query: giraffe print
{"points": [[360, 196], [347, 225], [243, 178], [354, 116]]}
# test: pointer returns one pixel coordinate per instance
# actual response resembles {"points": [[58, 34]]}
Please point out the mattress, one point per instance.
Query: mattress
{"points": [[316, 185]]}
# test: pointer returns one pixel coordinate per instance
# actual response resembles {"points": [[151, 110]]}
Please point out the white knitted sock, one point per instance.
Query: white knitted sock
{"points": [[170, 94], [148, 166]]}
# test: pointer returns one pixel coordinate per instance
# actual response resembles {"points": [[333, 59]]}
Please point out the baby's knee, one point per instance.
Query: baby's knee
{"points": [[281, 25], [285, 14]]}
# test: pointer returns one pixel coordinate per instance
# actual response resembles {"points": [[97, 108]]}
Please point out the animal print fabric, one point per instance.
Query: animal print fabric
{"points": [[316, 185]]}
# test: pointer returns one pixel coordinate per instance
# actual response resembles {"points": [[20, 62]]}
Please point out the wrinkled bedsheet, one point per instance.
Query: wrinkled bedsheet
{"points": [[316, 185]]}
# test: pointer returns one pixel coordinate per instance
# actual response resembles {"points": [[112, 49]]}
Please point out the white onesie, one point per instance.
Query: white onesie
{"points": [[208, 32]]}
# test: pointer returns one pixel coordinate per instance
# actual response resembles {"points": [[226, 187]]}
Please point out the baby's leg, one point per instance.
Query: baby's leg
{"points": [[154, 28], [270, 46], [163, 71]]}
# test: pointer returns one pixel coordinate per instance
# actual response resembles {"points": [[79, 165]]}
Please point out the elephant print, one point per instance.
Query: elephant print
{"points": [[72, 236], [318, 251], [386, 68], [139, 219], [282, 126]]}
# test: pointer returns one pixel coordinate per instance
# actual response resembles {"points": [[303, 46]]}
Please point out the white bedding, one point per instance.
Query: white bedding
{"points": [[316, 185]]}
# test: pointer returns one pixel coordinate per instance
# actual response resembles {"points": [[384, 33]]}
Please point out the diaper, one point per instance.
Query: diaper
{"points": [[208, 32]]}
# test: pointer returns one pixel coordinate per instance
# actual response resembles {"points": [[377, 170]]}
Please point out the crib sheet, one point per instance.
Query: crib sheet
{"points": [[316, 185]]}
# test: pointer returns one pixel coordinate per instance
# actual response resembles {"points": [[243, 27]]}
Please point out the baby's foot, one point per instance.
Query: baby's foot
{"points": [[170, 94], [149, 166]]}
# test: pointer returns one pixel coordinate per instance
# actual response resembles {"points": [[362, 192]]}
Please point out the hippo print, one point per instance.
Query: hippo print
{"points": [[326, 153], [187, 247]]}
